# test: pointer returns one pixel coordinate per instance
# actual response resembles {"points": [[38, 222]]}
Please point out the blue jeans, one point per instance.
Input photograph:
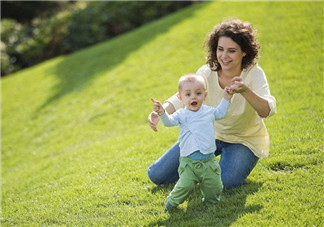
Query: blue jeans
{"points": [[236, 162]]}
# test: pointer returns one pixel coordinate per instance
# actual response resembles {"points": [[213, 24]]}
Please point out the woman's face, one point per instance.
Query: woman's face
{"points": [[229, 54]]}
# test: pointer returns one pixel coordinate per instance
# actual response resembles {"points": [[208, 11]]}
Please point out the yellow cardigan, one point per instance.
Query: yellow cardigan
{"points": [[241, 124]]}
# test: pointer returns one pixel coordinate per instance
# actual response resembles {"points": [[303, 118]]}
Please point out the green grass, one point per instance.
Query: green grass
{"points": [[76, 146]]}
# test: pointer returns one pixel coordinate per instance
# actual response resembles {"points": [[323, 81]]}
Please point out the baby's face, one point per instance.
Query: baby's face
{"points": [[192, 94]]}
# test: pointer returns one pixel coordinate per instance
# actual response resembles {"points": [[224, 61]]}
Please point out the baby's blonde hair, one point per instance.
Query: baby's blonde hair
{"points": [[191, 77]]}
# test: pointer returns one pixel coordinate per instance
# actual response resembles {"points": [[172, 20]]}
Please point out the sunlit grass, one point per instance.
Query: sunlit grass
{"points": [[76, 146]]}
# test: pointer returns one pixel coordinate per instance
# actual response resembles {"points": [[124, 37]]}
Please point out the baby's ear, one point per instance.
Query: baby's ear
{"points": [[179, 97], [206, 93]]}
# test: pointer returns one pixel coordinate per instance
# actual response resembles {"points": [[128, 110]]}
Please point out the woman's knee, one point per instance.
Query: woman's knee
{"points": [[153, 175], [231, 180], [237, 162], [160, 175], [164, 170]]}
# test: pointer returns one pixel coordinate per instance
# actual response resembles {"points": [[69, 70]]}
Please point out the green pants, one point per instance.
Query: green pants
{"points": [[191, 171]]}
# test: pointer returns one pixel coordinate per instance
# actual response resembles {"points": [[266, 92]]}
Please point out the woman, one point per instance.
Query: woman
{"points": [[241, 137]]}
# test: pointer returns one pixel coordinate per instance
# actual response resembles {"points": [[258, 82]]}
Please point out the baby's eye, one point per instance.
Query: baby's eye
{"points": [[198, 93], [188, 94]]}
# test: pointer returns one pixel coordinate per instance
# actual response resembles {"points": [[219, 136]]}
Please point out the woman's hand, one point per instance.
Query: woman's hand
{"points": [[154, 116], [153, 119], [237, 85], [259, 104]]}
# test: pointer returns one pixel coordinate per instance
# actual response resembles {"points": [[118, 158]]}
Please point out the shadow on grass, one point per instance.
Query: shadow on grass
{"points": [[76, 71], [225, 213]]}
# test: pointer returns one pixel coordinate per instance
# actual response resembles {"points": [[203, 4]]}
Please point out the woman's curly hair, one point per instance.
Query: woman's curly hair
{"points": [[240, 32]]}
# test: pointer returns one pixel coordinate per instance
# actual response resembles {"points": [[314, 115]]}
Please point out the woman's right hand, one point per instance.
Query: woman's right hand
{"points": [[153, 119]]}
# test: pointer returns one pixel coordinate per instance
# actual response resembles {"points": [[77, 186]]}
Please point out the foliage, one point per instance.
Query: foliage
{"points": [[26, 11], [11, 33], [79, 26], [76, 144], [102, 20], [28, 45]]}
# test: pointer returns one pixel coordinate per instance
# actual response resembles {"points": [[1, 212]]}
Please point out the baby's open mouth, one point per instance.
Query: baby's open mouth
{"points": [[194, 103]]}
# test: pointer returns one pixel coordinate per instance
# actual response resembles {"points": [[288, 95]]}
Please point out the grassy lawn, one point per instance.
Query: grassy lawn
{"points": [[76, 145]]}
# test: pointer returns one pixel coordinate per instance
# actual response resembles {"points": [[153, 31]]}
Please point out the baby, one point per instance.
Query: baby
{"points": [[197, 140]]}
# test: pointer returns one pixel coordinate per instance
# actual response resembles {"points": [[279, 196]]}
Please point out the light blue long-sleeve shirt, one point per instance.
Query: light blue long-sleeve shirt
{"points": [[196, 128]]}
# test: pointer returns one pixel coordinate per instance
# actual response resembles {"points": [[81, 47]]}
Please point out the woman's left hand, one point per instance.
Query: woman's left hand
{"points": [[238, 85], [259, 104]]}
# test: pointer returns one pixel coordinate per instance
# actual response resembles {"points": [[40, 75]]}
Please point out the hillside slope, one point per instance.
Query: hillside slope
{"points": [[76, 145]]}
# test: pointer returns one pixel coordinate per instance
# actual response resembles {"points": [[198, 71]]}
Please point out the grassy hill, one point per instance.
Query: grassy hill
{"points": [[76, 146]]}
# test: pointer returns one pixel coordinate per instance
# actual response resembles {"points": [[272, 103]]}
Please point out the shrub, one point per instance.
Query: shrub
{"points": [[11, 36], [80, 26], [102, 20]]}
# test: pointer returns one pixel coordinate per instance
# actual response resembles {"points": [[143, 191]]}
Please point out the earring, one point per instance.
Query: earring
{"points": [[214, 67]]}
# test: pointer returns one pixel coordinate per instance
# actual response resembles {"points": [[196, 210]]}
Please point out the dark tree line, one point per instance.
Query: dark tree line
{"points": [[32, 32]]}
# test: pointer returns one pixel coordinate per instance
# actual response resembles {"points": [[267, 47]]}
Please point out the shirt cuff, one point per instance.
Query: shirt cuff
{"points": [[224, 103], [272, 105], [174, 100]]}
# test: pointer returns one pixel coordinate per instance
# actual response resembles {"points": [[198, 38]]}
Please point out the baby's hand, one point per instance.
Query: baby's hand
{"points": [[228, 93], [157, 107]]}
